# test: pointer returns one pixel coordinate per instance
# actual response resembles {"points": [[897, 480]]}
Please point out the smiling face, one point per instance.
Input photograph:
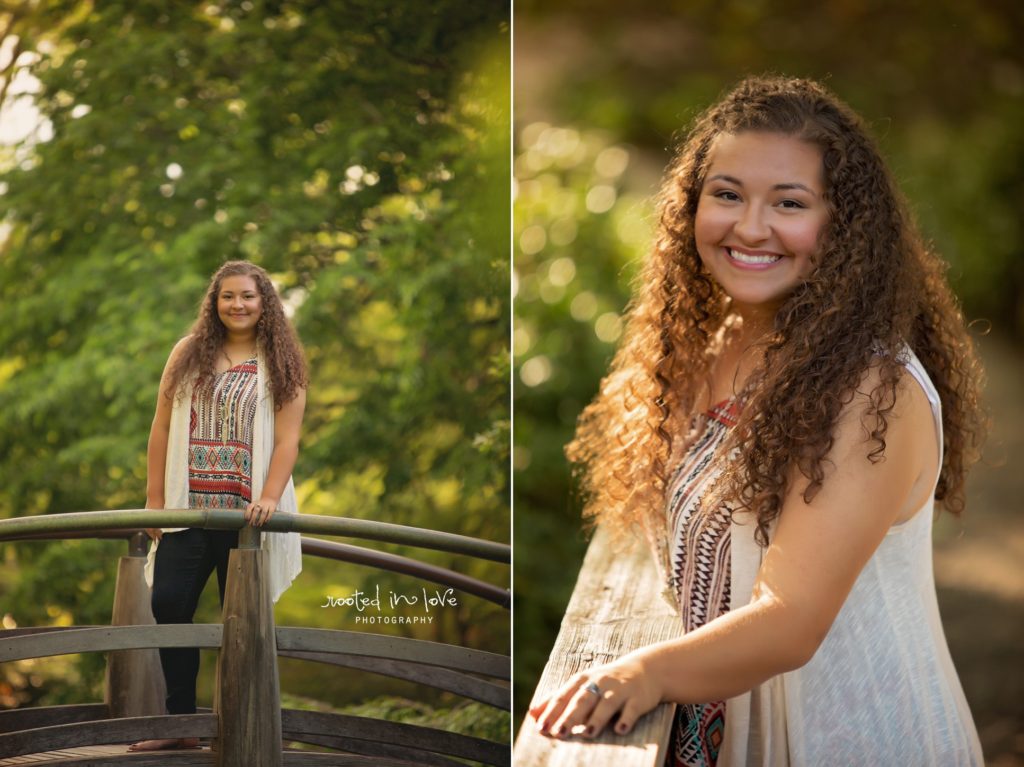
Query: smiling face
{"points": [[239, 305], [760, 216]]}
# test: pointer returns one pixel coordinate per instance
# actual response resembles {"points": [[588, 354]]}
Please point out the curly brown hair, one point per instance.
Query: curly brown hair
{"points": [[875, 288], [282, 351]]}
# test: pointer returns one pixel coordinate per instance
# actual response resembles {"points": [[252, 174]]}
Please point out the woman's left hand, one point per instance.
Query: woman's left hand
{"points": [[588, 701], [258, 513]]}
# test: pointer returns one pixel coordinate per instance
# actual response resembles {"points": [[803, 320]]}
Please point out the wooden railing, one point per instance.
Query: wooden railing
{"points": [[615, 608], [247, 724]]}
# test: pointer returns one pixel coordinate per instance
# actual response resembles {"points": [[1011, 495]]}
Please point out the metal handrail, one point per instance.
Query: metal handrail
{"points": [[230, 519]]}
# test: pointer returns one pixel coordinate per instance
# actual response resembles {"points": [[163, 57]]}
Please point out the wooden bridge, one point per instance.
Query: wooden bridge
{"points": [[616, 607], [247, 725]]}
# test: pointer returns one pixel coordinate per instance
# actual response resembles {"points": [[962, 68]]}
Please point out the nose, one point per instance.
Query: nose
{"points": [[752, 227]]}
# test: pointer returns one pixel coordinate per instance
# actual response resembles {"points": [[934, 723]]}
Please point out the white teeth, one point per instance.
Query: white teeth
{"points": [[745, 258]]}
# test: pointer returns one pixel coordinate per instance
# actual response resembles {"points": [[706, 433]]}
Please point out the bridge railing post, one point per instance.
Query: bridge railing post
{"points": [[247, 699], [614, 609], [134, 681]]}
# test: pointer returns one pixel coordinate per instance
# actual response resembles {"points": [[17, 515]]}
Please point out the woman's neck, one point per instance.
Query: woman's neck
{"points": [[739, 350], [755, 323], [239, 347], [240, 340]]}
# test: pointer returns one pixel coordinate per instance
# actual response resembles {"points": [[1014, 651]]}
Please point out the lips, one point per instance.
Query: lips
{"points": [[752, 260]]}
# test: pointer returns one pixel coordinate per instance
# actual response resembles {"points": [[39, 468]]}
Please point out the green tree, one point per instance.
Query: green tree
{"points": [[356, 150]]}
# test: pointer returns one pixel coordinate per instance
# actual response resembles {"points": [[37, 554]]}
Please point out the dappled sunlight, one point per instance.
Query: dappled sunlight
{"points": [[602, 97]]}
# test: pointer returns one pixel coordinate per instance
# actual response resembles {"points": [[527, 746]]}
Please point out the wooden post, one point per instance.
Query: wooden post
{"points": [[616, 607], [135, 682], [248, 699]]}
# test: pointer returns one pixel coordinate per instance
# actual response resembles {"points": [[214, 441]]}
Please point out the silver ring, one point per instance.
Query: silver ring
{"points": [[592, 687]]}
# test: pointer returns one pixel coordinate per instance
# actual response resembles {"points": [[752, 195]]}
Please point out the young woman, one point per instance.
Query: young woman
{"points": [[795, 390], [225, 436]]}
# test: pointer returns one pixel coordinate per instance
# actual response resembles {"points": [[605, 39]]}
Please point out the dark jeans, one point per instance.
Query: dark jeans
{"points": [[184, 561]]}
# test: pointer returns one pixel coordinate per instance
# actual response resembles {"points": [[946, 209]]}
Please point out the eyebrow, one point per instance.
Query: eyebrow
{"points": [[781, 187]]}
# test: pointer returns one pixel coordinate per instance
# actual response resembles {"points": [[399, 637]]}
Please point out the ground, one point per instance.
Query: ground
{"points": [[979, 568]]}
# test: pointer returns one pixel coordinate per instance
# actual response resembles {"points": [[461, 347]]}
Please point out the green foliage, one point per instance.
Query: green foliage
{"points": [[575, 248], [358, 151], [469, 718], [65, 582]]}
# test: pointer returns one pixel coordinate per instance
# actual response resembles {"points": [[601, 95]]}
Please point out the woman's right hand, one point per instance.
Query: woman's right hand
{"points": [[156, 504], [624, 689]]}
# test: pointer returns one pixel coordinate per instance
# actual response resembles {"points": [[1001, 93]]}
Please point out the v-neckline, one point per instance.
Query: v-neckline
{"points": [[249, 361]]}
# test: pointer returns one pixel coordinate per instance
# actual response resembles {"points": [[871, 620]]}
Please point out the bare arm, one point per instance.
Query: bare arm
{"points": [[287, 428], [156, 450], [817, 551]]}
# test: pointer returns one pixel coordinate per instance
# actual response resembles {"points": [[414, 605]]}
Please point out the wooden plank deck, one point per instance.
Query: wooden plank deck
{"points": [[615, 608], [104, 756], [95, 755]]}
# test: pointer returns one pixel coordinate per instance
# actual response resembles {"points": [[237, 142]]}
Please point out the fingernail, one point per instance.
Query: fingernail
{"points": [[589, 732], [621, 727]]}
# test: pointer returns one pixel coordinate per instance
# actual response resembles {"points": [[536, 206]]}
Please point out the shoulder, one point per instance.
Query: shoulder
{"points": [[890, 391], [296, 403], [887, 429], [183, 343], [181, 347], [179, 350]]}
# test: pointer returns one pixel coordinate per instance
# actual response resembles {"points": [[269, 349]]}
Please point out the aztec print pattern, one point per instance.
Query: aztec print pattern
{"points": [[221, 438], [700, 570], [697, 734]]}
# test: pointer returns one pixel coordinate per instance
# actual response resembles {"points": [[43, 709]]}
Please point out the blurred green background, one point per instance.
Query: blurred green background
{"points": [[602, 91], [356, 150]]}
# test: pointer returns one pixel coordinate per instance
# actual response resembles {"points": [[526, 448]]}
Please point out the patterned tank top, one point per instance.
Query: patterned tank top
{"points": [[699, 571], [221, 438]]}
